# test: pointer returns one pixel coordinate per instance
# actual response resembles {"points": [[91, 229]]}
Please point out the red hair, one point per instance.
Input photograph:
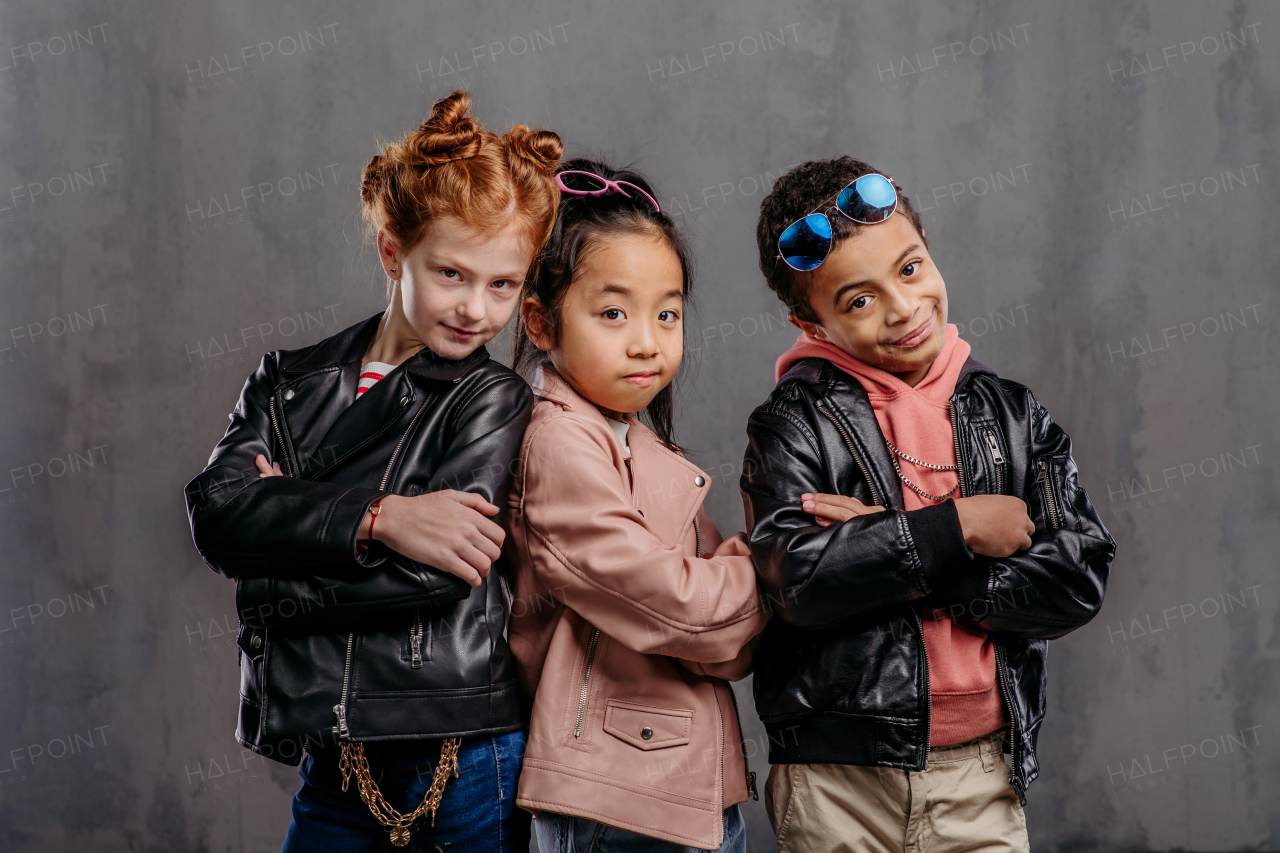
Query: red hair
{"points": [[452, 166]]}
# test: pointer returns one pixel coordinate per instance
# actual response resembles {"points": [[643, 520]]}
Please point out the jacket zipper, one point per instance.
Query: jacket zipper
{"points": [[955, 438], [1015, 776], [746, 762], [997, 457], [720, 717], [928, 693], [1046, 492], [386, 475], [415, 641], [697, 540], [586, 680], [340, 710], [275, 426], [875, 498]]}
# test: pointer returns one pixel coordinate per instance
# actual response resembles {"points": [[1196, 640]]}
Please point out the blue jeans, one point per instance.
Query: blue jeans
{"points": [[559, 833], [477, 813]]}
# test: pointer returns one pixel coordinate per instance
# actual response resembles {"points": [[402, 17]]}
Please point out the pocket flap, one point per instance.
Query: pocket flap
{"points": [[647, 726]]}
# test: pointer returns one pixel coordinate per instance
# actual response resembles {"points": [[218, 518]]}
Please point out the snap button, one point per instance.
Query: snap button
{"points": [[257, 642], [404, 401], [646, 733], [288, 395], [699, 481]]}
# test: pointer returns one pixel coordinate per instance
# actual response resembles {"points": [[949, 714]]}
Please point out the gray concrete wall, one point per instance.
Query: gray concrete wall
{"points": [[1099, 186]]}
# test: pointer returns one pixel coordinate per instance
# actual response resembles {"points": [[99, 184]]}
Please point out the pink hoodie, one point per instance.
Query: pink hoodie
{"points": [[962, 661]]}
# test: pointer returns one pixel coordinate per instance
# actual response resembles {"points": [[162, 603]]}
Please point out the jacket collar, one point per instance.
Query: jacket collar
{"points": [[550, 385], [855, 407], [322, 428], [668, 489], [972, 367]]}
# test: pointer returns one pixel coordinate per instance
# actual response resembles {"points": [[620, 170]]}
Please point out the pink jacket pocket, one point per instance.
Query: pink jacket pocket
{"points": [[647, 726]]}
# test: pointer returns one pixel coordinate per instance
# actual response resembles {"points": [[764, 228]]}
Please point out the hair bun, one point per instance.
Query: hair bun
{"points": [[373, 179], [542, 148], [451, 166], [449, 133]]}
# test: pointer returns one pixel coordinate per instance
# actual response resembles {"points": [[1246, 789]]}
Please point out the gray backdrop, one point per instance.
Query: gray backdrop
{"points": [[178, 193]]}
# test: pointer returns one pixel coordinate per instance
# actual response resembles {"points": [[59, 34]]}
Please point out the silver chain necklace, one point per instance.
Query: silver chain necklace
{"points": [[919, 491], [916, 461]]}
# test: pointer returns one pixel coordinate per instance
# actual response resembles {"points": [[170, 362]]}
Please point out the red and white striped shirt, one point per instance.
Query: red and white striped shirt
{"points": [[370, 374]]}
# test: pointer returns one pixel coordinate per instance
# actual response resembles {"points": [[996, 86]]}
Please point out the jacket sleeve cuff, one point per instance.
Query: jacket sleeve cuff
{"points": [[939, 541], [344, 525]]}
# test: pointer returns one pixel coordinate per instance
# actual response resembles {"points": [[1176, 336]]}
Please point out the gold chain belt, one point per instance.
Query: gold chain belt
{"points": [[353, 761]]}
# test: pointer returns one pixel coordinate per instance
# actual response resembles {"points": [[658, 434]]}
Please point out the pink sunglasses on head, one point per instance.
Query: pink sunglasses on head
{"points": [[575, 182]]}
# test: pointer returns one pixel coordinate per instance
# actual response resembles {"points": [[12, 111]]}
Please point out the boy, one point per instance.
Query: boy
{"points": [[918, 523]]}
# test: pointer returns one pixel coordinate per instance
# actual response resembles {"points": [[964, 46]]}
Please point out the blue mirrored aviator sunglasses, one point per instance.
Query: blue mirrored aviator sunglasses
{"points": [[805, 243]]}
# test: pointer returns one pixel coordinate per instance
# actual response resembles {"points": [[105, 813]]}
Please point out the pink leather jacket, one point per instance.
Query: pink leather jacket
{"points": [[629, 613]]}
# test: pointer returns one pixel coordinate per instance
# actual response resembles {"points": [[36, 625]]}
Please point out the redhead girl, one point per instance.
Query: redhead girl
{"points": [[630, 612], [353, 500]]}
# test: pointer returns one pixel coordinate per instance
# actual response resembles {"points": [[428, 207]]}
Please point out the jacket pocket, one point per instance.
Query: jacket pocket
{"points": [[417, 641], [994, 444], [584, 693], [647, 726], [251, 646]]}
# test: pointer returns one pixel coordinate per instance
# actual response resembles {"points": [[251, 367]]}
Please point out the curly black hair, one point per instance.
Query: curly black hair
{"points": [[796, 194], [582, 224]]}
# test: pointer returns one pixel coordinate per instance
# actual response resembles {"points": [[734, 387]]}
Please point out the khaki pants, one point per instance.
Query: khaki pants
{"points": [[961, 801]]}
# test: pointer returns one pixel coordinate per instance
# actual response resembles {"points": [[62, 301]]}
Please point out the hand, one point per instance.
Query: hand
{"points": [[447, 529], [266, 469], [995, 525], [832, 508]]}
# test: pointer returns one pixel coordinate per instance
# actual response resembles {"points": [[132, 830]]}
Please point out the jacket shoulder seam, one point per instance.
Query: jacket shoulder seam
{"points": [[481, 387], [527, 443], [791, 418]]}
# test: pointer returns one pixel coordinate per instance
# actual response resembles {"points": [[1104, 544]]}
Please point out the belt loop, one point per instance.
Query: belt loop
{"points": [[988, 748]]}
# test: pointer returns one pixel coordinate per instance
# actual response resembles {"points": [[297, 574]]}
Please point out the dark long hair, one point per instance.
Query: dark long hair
{"points": [[582, 222]]}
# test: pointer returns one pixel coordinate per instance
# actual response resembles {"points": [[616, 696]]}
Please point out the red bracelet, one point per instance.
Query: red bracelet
{"points": [[374, 509]]}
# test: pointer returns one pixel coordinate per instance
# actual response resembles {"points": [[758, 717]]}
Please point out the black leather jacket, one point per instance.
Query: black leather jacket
{"points": [[841, 675], [337, 640]]}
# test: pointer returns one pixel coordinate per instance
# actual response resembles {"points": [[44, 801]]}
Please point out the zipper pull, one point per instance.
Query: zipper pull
{"points": [[995, 447], [341, 729], [1019, 787], [751, 785], [415, 644]]}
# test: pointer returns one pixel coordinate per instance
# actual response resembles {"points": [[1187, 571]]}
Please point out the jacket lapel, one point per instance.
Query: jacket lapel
{"points": [[664, 484], [323, 421], [317, 390], [362, 421], [861, 421]]}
